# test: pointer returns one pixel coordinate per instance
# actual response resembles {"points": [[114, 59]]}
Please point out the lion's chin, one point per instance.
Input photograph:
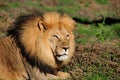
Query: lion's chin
{"points": [[62, 58]]}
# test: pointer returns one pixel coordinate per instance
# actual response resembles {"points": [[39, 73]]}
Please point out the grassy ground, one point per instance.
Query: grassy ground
{"points": [[97, 54]]}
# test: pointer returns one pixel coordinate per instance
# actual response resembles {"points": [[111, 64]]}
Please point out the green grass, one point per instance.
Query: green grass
{"points": [[97, 77], [116, 29], [99, 33], [102, 1], [13, 5]]}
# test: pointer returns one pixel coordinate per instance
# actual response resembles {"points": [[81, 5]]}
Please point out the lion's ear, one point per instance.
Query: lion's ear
{"points": [[42, 26]]}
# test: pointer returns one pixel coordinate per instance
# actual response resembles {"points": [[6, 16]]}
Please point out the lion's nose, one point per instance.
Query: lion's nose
{"points": [[65, 48]]}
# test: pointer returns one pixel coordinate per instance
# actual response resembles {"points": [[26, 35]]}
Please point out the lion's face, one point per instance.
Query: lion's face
{"points": [[59, 41]]}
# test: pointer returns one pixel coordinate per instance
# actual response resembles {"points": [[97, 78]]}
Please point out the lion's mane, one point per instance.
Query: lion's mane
{"points": [[27, 34]]}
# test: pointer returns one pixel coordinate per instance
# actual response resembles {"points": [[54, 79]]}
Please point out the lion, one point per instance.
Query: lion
{"points": [[36, 47]]}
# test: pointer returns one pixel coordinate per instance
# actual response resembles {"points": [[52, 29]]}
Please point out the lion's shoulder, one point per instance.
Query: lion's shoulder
{"points": [[4, 41], [9, 54], [10, 60]]}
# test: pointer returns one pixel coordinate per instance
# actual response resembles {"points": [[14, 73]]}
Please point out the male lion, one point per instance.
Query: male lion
{"points": [[37, 47]]}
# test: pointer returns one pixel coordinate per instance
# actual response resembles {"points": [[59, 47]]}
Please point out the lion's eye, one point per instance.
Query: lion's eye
{"points": [[55, 36], [67, 36]]}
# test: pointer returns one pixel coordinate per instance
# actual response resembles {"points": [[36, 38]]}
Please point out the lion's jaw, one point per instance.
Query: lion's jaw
{"points": [[63, 55]]}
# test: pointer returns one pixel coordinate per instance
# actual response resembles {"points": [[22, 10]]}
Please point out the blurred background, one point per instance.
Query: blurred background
{"points": [[97, 33]]}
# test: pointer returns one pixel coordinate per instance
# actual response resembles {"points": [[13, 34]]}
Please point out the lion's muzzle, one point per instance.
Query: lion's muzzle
{"points": [[63, 54], [62, 57]]}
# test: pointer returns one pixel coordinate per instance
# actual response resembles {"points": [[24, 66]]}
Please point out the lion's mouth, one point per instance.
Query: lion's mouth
{"points": [[62, 57]]}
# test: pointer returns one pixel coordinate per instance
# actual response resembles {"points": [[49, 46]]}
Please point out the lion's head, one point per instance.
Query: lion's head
{"points": [[48, 37]]}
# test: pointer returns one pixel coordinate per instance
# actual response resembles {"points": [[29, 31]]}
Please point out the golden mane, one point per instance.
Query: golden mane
{"points": [[55, 18], [31, 35]]}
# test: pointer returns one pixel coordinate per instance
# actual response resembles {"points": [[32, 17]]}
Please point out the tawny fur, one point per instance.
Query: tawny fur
{"points": [[26, 52]]}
